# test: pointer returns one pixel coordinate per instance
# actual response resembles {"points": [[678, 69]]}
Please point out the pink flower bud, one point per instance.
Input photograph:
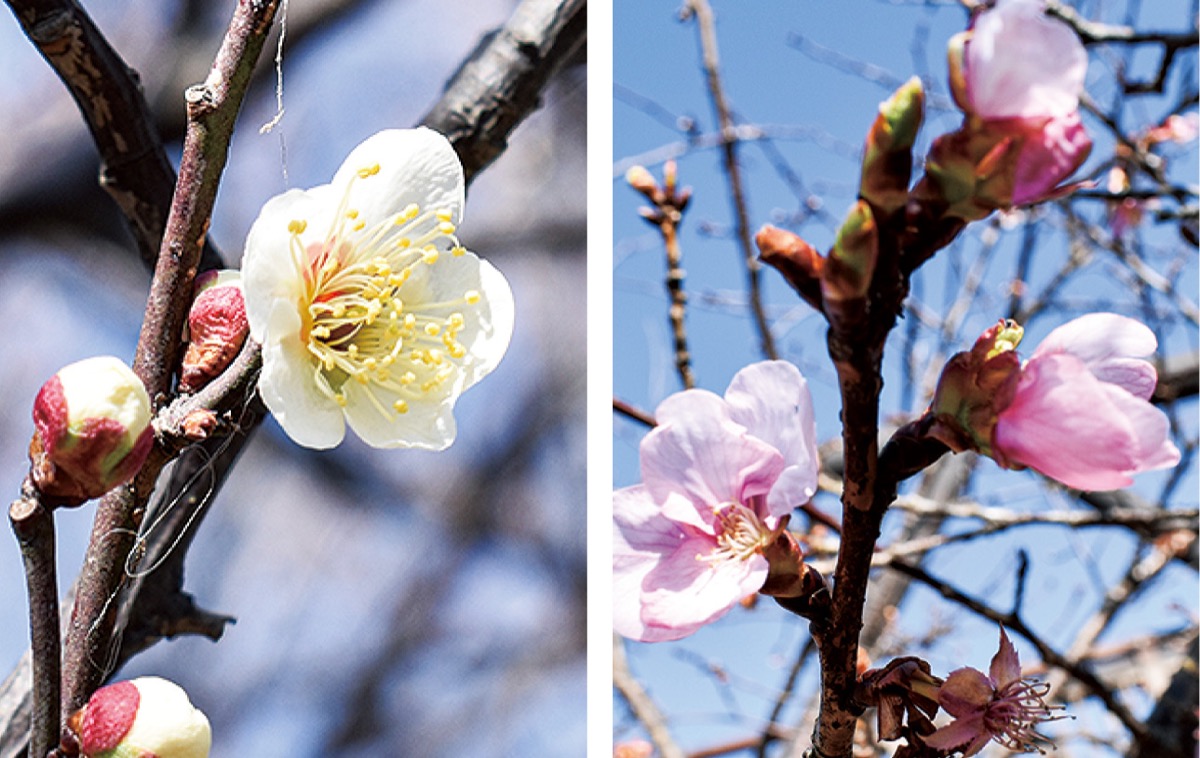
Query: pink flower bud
{"points": [[1081, 412], [93, 430], [1018, 75], [146, 717], [1017, 62], [217, 327]]}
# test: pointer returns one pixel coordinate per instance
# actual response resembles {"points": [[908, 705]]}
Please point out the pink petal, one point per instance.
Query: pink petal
{"points": [[1050, 153], [771, 399], [1110, 346], [1006, 666], [1098, 337], [1074, 428], [642, 536], [967, 692], [685, 591], [697, 450], [967, 735], [1021, 64], [1063, 423]]}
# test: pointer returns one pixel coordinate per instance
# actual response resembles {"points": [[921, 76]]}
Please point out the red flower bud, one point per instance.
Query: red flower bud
{"points": [[217, 327], [93, 430]]}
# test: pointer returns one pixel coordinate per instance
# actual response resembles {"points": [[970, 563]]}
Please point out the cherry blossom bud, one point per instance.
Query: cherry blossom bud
{"points": [[146, 717], [792, 256], [887, 159], [1017, 75], [93, 430], [975, 386], [641, 180], [851, 263], [217, 327]]}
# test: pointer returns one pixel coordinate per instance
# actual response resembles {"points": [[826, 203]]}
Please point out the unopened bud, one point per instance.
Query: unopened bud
{"points": [[792, 256], [887, 159], [974, 387], [147, 716], [217, 328], [641, 180], [851, 263], [93, 433]]}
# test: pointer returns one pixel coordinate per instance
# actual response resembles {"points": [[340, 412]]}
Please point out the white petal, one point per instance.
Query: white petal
{"points": [[309, 417], [269, 272], [426, 425], [415, 166]]}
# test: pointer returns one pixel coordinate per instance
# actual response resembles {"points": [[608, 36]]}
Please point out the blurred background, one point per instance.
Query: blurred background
{"points": [[387, 602], [803, 81]]}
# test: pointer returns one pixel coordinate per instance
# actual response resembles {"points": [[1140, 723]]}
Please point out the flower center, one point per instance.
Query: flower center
{"points": [[1015, 712], [368, 315], [740, 533]]}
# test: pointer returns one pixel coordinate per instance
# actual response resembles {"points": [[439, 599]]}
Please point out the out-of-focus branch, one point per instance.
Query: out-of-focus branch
{"points": [[644, 708], [212, 110], [712, 69], [134, 166], [502, 81]]}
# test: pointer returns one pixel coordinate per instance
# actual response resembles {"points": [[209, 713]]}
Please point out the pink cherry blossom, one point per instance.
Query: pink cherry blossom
{"points": [[999, 706], [1022, 73], [720, 475], [1081, 412], [1020, 63]]}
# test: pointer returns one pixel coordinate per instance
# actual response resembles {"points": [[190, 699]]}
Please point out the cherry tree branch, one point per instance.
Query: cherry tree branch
{"points": [[502, 81], [212, 110]]}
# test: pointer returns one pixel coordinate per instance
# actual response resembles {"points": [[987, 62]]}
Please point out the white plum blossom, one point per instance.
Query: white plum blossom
{"points": [[368, 310]]}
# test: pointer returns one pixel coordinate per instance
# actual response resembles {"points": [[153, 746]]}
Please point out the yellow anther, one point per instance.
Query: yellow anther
{"points": [[366, 171], [362, 378], [408, 378], [369, 363], [455, 321], [433, 330], [340, 399], [444, 215], [352, 213], [297, 226], [387, 360], [359, 226], [411, 211], [410, 320], [403, 242], [471, 296], [430, 256], [446, 227], [457, 350], [435, 357], [320, 332], [458, 251], [400, 406], [352, 350], [328, 363]]}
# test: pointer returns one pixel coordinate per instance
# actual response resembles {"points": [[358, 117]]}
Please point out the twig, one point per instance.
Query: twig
{"points": [[212, 110], [708, 47], [630, 412], [502, 82], [33, 524], [643, 707]]}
